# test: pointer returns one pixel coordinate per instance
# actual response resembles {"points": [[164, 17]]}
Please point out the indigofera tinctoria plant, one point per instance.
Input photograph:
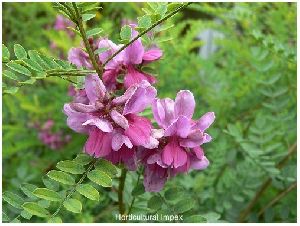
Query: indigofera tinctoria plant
{"points": [[108, 101], [115, 130]]}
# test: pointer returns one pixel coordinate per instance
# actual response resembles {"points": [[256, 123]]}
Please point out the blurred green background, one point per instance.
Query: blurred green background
{"points": [[239, 60]]}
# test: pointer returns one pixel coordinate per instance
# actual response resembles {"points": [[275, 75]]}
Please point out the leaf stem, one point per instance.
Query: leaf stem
{"points": [[277, 198], [121, 190], [266, 184], [88, 47], [133, 200], [146, 31], [91, 166]]}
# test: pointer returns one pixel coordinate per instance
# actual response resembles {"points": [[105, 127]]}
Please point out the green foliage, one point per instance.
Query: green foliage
{"points": [[248, 80]]}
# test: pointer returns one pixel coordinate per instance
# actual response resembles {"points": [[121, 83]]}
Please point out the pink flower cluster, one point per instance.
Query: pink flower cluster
{"points": [[114, 127], [54, 141]]}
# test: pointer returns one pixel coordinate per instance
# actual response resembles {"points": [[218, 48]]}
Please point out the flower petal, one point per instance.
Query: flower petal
{"points": [[140, 99], [133, 54], [134, 76], [199, 152], [152, 55], [184, 104], [180, 127], [155, 178], [163, 111], [139, 131], [194, 139], [102, 124], [205, 121], [94, 88], [75, 119], [119, 119], [84, 108], [118, 140], [122, 99], [200, 164], [98, 143], [80, 58]]}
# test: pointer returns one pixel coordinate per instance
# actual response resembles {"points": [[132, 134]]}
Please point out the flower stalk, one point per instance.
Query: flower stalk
{"points": [[88, 47], [121, 191]]}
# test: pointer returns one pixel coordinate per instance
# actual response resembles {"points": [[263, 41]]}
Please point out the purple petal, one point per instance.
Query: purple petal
{"points": [[75, 119], [83, 107], [122, 99], [102, 124], [140, 99], [80, 58], [139, 131], [163, 111], [112, 48], [152, 143], [94, 88], [133, 76], [184, 104], [118, 140], [157, 133], [200, 164], [134, 53], [155, 178], [205, 121], [119, 119], [180, 127], [109, 78], [174, 153], [98, 143], [199, 152], [207, 138], [152, 55], [194, 139]]}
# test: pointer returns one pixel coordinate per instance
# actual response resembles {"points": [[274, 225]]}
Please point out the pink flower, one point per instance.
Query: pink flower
{"points": [[61, 23], [179, 140], [112, 122], [127, 61], [51, 139]]}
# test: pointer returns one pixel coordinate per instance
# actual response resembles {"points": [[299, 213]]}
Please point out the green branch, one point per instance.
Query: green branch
{"points": [[147, 30], [79, 23], [120, 191]]}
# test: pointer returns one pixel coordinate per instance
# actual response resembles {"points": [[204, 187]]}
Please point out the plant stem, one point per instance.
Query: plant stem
{"points": [[133, 200], [88, 47], [277, 198], [147, 30], [91, 166], [266, 184], [120, 191]]}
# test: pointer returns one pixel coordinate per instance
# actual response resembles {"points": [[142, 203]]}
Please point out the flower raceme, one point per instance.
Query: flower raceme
{"points": [[180, 138], [125, 64], [114, 127]]}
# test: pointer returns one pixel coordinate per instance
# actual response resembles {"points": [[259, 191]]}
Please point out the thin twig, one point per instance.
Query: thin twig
{"points": [[266, 184], [133, 200], [88, 47], [146, 31], [277, 198], [120, 191]]}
